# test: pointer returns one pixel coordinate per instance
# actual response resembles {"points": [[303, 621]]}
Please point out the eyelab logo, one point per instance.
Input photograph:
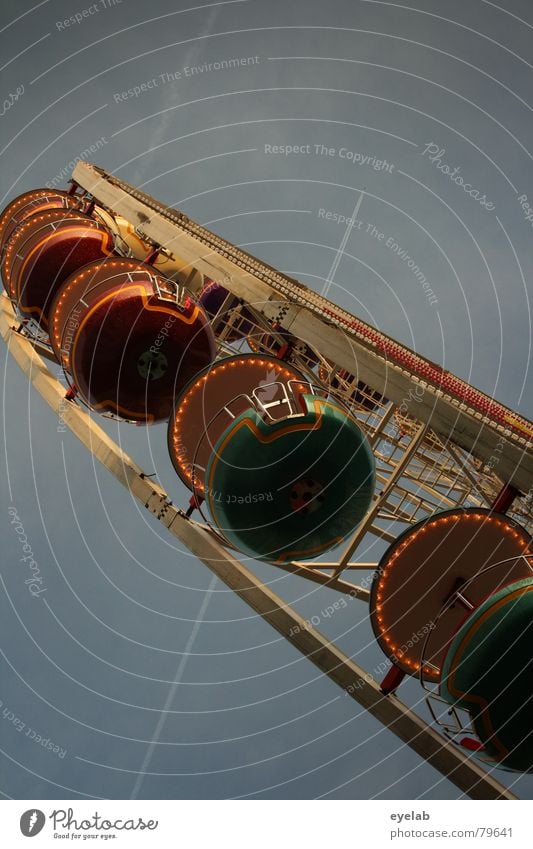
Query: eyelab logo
{"points": [[32, 822]]}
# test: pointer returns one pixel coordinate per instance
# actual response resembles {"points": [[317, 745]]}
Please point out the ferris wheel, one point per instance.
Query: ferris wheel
{"points": [[298, 430]]}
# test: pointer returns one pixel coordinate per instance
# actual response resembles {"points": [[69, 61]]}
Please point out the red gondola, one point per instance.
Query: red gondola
{"points": [[130, 338]]}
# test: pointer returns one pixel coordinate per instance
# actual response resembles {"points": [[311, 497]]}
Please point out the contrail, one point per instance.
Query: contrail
{"points": [[338, 256], [172, 691]]}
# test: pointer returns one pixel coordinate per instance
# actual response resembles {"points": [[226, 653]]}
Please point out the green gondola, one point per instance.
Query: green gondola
{"points": [[291, 489], [488, 671]]}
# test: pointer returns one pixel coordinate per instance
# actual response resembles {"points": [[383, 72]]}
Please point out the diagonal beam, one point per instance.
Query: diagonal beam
{"points": [[312, 572]]}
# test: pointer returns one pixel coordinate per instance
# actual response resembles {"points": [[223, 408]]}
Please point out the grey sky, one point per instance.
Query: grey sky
{"points": [[94, 660]]}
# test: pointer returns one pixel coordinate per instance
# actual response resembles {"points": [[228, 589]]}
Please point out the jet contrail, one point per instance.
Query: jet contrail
{"points": [[174, 687], [338, 256]]}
